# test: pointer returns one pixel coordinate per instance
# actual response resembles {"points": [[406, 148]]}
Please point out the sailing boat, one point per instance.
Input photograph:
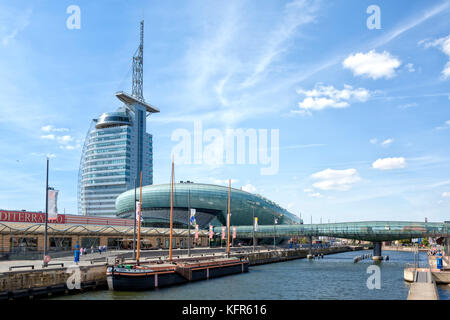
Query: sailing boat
{"points": [[135, 276]]}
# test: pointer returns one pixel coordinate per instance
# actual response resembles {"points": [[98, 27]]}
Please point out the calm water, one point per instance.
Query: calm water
{"points": [[334, 277]]}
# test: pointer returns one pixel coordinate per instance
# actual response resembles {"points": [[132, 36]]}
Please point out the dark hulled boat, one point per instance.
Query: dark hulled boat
{"points": [[137, 278], [194, 271]]}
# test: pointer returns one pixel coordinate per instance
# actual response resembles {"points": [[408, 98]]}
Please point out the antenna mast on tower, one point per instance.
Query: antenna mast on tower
{"points": [[138, 68]]}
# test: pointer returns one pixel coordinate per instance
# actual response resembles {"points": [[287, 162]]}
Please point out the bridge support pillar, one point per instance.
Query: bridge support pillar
{"points": [[310, 255], [447, 246], [377, 251]]}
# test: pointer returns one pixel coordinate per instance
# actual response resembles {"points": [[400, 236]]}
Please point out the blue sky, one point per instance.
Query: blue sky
{"points": [[362, 114]]}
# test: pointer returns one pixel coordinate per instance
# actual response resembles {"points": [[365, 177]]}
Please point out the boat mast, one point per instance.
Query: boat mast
{"points": [[139, 226], [171, 216], [228, 220]]}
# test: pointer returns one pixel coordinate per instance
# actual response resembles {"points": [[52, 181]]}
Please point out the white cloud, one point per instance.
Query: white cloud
{"points": [[322, 97], [315, 195], [372, 64], [445, 126], [442, 44], [49, 128], [330, 179], [48, 137], [60, 129], [446, 194], [64, 139], [390, 163], [225, 181], [410, 67], [312, 194], [387, 142], [21, 21], [70, 147], [373, 141], [39, 154], [249, 188], [297, 13], [408, 105]]}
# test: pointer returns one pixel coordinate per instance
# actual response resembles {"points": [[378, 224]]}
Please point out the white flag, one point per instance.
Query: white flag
{"points": [[138, 205], [52, 203], [192, 219], [256, 224]]}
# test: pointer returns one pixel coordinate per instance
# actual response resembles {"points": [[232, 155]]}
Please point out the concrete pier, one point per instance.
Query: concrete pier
{"points": [[42, 282], [423, 287]]}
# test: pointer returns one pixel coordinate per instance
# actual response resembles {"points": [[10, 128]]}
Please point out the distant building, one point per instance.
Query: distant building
{"points": [[116, 150]]}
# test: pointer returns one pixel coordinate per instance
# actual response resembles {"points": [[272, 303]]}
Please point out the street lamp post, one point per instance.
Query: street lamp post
{"points": [[253, 210], [134, 231], [46, 218], [189, 222], [274, 231]]}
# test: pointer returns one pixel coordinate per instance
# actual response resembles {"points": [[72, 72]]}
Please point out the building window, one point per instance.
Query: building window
{"points": [[19, 244], [115, 243], [90, 242], [60, 244]]}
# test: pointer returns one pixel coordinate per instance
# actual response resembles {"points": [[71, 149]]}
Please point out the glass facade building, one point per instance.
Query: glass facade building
{"points": [[209, 201], [116, 149]]}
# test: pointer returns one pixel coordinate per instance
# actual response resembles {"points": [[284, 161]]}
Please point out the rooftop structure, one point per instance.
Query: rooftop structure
{"points": [[117, 149]]}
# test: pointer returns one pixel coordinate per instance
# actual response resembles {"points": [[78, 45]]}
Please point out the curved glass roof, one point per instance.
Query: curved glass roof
{"points": [[109, 119], [209, 198]]}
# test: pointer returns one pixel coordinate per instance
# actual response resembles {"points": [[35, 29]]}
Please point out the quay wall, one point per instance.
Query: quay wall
{"points": [[41, 282], [272, 256]]}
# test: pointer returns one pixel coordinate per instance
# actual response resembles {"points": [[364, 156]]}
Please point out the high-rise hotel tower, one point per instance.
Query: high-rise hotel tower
{"points": [[117, 148]]}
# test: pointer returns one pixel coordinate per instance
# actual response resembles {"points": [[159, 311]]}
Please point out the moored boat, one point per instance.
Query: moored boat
{"points": [[196, 270], [132, 277]]}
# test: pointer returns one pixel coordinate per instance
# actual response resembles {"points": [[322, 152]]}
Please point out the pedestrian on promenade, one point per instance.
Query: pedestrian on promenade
{"points": [[92, 249], [81, 252], [104, 248], [100, 249], [77, 253]]}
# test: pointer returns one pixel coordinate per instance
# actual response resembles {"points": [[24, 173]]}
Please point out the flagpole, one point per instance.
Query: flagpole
{"points": [[228, 222], [134, 231], [274, 219], [189, 222], [46, 217], [171, 217], [139, 225], [253, 210]]}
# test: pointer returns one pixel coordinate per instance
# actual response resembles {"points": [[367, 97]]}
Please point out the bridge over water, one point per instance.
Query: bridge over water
{"points": [[375, 231]]}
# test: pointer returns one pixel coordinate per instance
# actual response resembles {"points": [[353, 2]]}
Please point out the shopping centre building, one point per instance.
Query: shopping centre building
{"points": [[209, 201]]}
